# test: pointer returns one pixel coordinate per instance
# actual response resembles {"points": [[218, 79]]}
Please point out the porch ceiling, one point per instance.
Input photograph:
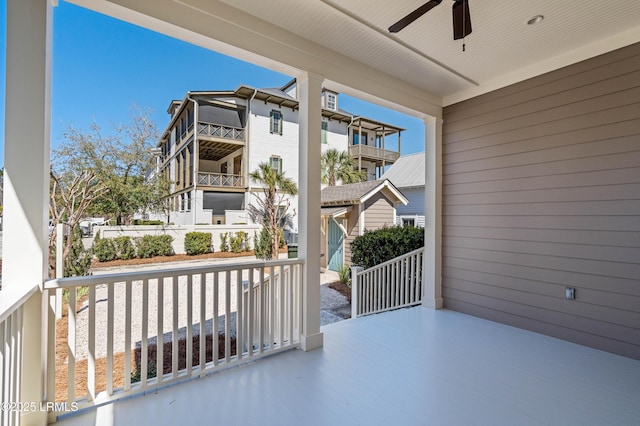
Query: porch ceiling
{"points": [[216, 150], [410, 366], [502, 48]]}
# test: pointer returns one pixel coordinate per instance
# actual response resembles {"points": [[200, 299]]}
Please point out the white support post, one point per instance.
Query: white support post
{"points": [[432, 260], [310, 92], [26, 177], [355, 297]]}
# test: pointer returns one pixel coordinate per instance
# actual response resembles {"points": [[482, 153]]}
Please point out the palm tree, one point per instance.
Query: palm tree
{"points": [[275, 187], [339, 165]]}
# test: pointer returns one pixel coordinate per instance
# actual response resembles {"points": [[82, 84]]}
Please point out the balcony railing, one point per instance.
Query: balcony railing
{"points": [[138, 331], [221, 131], [220, 179], [374, 153], [394, 284]]}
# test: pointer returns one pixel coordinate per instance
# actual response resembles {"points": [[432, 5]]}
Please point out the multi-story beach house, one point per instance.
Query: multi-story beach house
{"points": [[214, 140]]}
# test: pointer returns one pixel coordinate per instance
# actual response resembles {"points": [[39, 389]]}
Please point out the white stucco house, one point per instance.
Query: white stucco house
{"points": [[407, 174], [209, 162]]}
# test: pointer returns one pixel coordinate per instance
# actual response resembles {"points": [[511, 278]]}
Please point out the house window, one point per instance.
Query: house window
{"points": [[276, 122], [276, 163], [408, 222], [323, 133], [332, 101], [356, 138]]}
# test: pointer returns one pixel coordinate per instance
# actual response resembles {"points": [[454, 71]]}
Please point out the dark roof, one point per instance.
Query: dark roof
{"points": [[347, 193]]}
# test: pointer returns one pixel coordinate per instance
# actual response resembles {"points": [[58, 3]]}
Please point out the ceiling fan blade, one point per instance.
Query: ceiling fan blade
{"points": [[461, 19], [414, 15]]}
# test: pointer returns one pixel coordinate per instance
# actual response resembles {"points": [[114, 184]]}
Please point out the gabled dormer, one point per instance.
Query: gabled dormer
{"points": [[330, 100]]}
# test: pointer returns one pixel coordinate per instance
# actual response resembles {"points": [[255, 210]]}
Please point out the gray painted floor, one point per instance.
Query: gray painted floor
{"points": [[407, 367]]}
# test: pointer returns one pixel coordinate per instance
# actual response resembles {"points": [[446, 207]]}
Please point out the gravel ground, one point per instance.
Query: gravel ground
{"points": [[334, 307]]}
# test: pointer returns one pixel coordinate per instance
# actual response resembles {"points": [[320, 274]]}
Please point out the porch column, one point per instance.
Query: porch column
{"points": [[310, 92], [26, 175], [432, 287]]}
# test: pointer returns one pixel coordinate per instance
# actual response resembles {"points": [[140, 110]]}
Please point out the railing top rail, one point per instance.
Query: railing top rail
{"points": [[395, 259], [163, 273], [12, 298]]}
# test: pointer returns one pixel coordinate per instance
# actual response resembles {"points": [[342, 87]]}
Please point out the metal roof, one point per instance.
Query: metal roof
{"points": [[407, 171]]}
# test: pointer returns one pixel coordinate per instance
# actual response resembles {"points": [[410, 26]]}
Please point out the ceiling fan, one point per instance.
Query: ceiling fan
{"points": [[461, 18]]}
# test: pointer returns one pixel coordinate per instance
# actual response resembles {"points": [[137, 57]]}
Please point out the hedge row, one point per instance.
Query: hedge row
{"points": [[375, 247], [106, 249]]}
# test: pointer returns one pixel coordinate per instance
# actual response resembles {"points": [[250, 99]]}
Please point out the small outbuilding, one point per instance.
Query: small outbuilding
{"points": [[349, 210]]}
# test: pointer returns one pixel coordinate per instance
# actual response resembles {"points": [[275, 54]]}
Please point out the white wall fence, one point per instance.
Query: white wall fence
{"points": [[177, 232], [255, 308], [394, 284]]}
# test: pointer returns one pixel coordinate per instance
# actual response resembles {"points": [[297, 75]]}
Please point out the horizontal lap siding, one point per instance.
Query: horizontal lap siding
{"points": [[378, 212], [541, 191]]}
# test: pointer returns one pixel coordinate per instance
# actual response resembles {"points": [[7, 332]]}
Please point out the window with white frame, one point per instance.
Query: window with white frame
{"points": [[332, 101], [276, 122]]}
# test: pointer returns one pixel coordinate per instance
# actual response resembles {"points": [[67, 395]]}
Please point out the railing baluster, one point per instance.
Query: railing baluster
{"points": [[189, 363], [203, 329], [216, 332], [239, 315], [261, 315], [91, 343], [110, 320], [127, 336], [283, 279], [250, 313], [71, 345], [4, 352], [272, 287], [144, 352], [227, 317], [52, 314], [160, 331], [174, 336]]}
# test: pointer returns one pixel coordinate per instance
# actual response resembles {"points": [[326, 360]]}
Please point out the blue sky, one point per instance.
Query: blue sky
{"points": [[102, 66]]}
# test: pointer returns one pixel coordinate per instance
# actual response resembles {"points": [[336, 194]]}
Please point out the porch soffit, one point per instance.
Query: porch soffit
{"points": [[215, 150]]}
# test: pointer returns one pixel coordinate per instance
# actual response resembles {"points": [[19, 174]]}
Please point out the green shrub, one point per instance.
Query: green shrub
{"points": [[197, 243], [375, 247], [104, 249], [224, 242], [281, 240], [137, 373], [147, 222], [124, 247], [239, 242], [78, 262], [154, 245], [344, 275], [262, 244], [246, 246]]}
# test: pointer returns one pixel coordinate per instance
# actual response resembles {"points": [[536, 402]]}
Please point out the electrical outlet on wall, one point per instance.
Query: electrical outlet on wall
{"points": [[570, 293]]}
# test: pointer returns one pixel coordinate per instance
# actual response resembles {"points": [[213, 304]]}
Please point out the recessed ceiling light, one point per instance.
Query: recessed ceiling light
{"points": [[535, 20]]}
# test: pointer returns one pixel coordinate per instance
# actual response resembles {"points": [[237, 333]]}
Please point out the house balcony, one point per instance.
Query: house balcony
{"points": [[221, 181], [220, 131], [374, 154]]}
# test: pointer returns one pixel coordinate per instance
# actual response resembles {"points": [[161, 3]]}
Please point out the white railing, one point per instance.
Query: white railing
{"points": [[127, 333], [221, 131], [11, 352], [220, 179], [396, 283]]}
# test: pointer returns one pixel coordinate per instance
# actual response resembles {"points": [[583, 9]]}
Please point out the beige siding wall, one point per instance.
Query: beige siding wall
{"points": [[378, 212], [353, 226], [542, 192]]}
